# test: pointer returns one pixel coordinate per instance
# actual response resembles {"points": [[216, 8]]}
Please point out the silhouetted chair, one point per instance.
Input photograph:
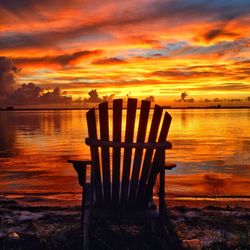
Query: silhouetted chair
{"points": [[122, 185]]}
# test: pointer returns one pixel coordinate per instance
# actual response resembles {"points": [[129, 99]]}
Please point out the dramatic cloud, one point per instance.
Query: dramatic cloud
{"points": [[172, 12], [186, 73], [55, 96], [111, 61], [7, 77], [144, 39], [212, 34], [231, 86], [32, 94], [229, 71], [62, 60], [27, 93]]}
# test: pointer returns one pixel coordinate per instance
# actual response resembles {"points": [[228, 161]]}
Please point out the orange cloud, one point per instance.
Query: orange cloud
{"points": [[112, 61], [62, 60]]}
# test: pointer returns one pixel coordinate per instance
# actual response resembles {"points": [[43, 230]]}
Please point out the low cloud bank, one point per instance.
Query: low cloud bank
{"points": [[27, 93], [7, 77], [32, 94]]}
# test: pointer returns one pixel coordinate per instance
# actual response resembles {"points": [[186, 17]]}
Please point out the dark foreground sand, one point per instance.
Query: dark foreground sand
{"points": [[57, 227]]}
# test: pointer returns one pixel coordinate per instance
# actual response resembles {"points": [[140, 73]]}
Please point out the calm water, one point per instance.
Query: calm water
{"points": [[211, 149]]}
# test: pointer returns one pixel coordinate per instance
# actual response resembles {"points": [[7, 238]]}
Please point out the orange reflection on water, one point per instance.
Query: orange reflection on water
{"points": [[210, 147], [208, 184]]}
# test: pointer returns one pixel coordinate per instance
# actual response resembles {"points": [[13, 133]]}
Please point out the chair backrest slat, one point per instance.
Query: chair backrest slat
{"points": [[129, 134], [132, 181], [159, 153], [104, 134], [149, 152], [144, 114], [116, 159], [95, 173]]}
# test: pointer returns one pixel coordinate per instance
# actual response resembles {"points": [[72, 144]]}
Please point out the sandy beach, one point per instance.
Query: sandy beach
{"points": [[28, 223]]}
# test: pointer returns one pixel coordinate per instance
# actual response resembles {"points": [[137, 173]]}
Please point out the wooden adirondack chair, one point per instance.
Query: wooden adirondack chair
{"points": [[122, 185]]}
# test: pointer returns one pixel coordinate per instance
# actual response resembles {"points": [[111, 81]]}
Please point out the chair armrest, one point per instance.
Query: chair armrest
{"points": [[169, 166], [80, 168], [82, 162]]}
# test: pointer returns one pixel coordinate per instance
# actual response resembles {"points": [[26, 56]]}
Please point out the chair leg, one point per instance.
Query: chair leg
{"points": [[153, 225], [170, 234], [157, 227], [87, 205], [86, 225]]}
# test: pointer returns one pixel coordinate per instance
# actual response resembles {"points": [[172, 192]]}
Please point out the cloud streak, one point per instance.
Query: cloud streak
{"points": [[109, 61], [62, 60], [179, 12]]}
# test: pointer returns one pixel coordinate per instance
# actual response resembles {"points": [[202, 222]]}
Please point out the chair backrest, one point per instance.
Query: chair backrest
{"points": [[125, 178]]}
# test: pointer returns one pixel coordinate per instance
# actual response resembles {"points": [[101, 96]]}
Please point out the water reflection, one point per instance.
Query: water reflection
{"points": [[211, 149], [35, 147], [183, 118], [7, 137]]}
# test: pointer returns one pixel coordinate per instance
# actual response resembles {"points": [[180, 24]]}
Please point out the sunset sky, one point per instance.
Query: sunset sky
{"points": [[137, 48]]}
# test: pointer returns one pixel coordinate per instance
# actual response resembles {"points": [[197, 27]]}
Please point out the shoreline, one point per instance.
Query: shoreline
{"points": [[71, 199], [165, 107]]}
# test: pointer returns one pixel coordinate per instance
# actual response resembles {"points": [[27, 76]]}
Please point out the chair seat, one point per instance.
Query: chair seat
{"points": [[126, 212], [125, 208]]}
